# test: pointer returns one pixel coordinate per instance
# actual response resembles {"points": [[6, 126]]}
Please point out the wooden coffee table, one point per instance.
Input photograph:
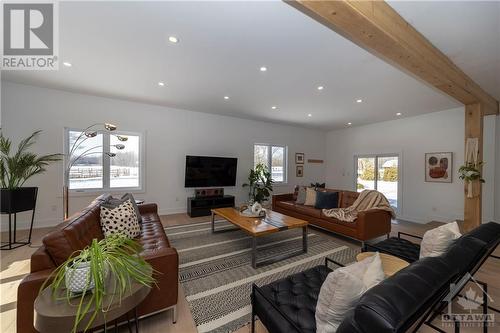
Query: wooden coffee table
{"points": [[258, 227], [390, 264]]}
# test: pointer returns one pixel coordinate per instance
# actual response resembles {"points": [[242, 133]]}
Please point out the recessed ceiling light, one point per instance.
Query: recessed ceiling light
{"points": [[263, 69], [359, 101], [226, 97], [349, 124], [67, 64], [398, 114], [274, 107], [161, 84], [309, 115], [321, 87], [173, 39]]}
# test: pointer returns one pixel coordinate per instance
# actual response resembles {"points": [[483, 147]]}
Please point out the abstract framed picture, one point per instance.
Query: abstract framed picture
{"points": [[439, 167], [299, 171], [299, 158]]}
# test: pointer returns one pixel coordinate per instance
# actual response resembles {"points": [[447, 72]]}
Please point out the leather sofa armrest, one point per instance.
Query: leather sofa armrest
{"points": [[165, 261], [148, 208], [26, 294], [282, 197], [373, 223], [41, 260]]}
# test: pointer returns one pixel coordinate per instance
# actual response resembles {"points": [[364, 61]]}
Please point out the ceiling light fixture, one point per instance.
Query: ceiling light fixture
{"points": [[309, 115], [321, 88], [161, 84], [173, 39], [274, 107], [67, 64], [349, 124], [226, 97], [398, 114], [263, 69], [359, 101]]}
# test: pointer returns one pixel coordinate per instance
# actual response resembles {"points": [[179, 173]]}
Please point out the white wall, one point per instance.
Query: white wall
{"points": [[413, 137], [170, 135], [497, 171], [490, 168]]}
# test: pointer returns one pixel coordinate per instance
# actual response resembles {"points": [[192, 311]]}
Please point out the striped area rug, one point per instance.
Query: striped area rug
{"points": [[216, 273]]}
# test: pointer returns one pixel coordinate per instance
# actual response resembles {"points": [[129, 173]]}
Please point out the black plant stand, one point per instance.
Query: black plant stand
{"points": [[12, 207]]}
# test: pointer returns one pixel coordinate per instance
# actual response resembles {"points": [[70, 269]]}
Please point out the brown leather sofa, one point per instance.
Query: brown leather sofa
{"points": [[76, 233], [369, 224]]}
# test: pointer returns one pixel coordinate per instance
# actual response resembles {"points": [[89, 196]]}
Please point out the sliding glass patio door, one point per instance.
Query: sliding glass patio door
{"points": [[381, 173]]}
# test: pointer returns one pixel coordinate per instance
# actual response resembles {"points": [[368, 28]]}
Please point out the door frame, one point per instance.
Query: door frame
{"points": [[399, 155]]}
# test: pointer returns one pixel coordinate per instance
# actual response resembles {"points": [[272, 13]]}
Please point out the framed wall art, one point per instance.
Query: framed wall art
{"points": [[299, 158], [439, 167], [299, 171]]}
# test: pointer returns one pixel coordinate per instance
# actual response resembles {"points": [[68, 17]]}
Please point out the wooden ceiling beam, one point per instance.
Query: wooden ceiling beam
{"points": [[378, 28]]}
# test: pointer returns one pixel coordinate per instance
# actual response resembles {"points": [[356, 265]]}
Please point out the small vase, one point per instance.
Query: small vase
{"points": [[78, 279]]}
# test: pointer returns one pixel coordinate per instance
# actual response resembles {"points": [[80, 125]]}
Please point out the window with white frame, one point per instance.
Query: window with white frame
{"points": [[104, 162], [275, 158]]}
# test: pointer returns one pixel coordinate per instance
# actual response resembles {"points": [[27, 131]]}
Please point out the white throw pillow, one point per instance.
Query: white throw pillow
{"points": [[374, 273], [437, 240], [121, 219], [342, 289], [310, 197]]}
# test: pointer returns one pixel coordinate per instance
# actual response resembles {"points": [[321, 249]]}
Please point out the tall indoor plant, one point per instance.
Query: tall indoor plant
{"points": [[105, 268], [260, 184], [15, 169]]}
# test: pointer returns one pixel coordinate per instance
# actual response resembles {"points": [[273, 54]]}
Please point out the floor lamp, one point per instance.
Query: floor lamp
{"points": [[71, 157]]}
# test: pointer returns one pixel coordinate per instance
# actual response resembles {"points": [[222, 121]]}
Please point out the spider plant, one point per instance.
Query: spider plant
{"points": [[114, 263], [17, 168]]}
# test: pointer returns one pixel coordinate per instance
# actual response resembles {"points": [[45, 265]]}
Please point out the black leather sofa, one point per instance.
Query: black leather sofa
{"points": [[410, 251], [400, 303]]}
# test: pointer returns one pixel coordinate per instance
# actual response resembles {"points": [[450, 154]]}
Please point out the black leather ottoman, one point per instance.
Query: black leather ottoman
{"points": [[293, 297], [398, 247]]}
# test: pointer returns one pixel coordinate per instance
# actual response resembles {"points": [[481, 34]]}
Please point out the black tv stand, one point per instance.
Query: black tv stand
{"points": [[202, 206]]}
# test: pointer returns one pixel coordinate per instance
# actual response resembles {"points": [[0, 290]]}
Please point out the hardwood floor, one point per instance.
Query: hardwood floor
{"points": [[15, 265]]}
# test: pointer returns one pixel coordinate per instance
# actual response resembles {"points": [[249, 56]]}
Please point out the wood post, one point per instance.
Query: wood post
{"points": [[473, 129]]}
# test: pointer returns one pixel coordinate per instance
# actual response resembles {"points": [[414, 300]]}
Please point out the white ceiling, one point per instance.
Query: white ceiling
{"points": [[120, 49], [468, 32]]}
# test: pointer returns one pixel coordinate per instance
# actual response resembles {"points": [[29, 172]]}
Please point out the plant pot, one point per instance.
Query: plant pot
{"points": [[18, 200], [77, 278]]}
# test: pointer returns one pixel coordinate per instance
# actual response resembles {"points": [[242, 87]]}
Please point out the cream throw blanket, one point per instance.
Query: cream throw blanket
{"points": [[368, 199]]}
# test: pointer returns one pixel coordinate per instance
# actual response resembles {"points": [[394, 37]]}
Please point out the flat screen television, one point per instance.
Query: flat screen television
{"points": [[207, 171]]}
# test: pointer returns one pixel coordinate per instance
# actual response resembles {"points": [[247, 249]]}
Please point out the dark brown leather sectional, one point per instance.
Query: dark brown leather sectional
{"points": [[369, 224], [77, 233]]}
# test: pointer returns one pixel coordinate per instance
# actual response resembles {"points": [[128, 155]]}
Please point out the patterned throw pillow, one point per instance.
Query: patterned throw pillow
{"points": [[115, 202], [121, 219]]}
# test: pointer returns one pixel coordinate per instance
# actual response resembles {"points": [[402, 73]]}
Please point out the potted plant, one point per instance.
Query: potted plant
{"points": [[469, 172], [105, 267], [16, 169], [260, 184]]}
